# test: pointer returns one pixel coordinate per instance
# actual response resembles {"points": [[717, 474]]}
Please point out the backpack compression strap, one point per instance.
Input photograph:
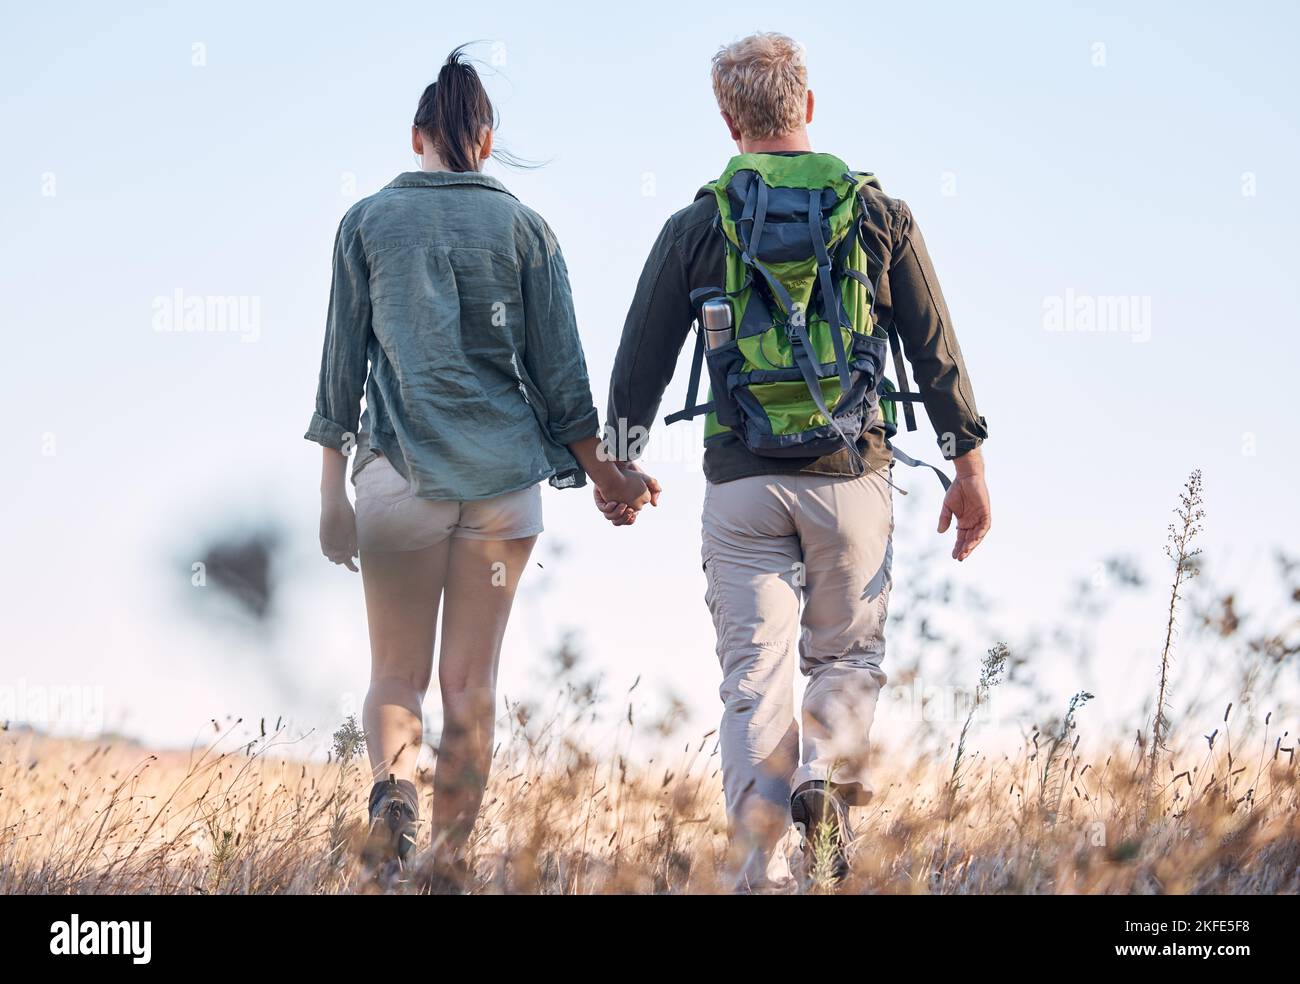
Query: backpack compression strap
{"points": [[832, 310], [911, 462]]}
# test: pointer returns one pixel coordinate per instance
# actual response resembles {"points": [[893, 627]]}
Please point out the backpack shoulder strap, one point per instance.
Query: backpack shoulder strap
{"points": [[903, 394]]}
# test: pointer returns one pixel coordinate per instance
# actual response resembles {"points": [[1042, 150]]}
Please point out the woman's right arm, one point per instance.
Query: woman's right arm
{"points": [[554, 358], [338, 523], [552, 349], [338, 396]]}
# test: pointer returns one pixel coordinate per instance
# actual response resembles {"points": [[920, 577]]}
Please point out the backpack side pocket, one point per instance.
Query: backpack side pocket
{"points": [[724, 362]]}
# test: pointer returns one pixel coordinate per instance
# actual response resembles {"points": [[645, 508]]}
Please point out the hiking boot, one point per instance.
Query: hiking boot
{"points": [[822, 820], [394, 817]]}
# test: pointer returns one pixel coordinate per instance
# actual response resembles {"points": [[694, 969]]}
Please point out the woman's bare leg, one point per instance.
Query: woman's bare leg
{"points": [[402, 593], [482, 576]]}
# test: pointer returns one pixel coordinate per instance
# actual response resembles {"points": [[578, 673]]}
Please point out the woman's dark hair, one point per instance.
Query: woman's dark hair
{"points": [[453, 113]]}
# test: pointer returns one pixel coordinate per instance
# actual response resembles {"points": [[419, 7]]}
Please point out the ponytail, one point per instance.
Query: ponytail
{"points": [[453, 113]]}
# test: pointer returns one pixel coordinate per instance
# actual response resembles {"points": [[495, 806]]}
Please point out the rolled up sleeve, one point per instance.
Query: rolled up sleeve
{"points": [[553, 354], [925, 329], [347, 337]]}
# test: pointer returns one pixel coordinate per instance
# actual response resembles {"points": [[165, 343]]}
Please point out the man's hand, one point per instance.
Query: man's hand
{"points": [[617, 505], [968, 500]]}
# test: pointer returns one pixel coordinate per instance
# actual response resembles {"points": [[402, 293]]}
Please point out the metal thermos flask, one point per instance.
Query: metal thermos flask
{"points": [[715, 316]]}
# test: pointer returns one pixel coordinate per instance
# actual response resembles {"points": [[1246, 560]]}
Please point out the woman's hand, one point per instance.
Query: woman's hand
{"points": [[338, 529]]}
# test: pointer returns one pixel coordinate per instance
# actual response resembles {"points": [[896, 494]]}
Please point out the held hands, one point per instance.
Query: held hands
{"points": [[621, 496], [968, 500]]}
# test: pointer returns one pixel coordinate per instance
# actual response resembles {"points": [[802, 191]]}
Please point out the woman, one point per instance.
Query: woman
{"points": [[457, 299]]}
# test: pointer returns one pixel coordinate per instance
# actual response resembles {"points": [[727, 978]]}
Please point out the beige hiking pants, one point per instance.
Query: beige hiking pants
{"points": [[804, 556]]}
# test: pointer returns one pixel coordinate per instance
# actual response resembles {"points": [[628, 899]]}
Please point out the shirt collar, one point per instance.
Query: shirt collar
{"points": [[437, 179]]}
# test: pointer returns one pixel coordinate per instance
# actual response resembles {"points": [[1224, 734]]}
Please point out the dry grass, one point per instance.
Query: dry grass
{"points": [[78, 817]]}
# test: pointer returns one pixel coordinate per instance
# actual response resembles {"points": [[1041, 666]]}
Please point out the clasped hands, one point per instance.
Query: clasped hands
{"points": [[623, 494]]}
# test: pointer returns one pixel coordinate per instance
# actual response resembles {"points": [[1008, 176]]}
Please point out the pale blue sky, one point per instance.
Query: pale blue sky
{"points": [[1115, 171]]}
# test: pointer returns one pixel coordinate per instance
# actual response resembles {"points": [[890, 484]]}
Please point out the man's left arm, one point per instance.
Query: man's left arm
{"points": [[657, 324], [925, 328]]}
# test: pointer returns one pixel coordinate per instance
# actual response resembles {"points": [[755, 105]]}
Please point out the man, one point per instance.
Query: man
{"points": [[798, 546]]}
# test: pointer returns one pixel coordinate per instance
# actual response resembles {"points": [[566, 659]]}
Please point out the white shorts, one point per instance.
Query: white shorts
{"points": [[391, 517]]}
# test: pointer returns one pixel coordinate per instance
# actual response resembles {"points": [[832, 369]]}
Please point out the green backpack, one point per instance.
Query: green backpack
{"points": [[803, 372]]}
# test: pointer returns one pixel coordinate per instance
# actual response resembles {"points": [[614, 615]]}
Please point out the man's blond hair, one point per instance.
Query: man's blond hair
{"points": [[761, 82]]}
